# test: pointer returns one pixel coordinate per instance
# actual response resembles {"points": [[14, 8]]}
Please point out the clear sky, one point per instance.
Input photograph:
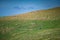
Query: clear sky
{"points": [[13, 7]]}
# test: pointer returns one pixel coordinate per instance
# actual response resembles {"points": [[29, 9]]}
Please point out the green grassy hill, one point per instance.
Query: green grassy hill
{"points": [[36, 25]]}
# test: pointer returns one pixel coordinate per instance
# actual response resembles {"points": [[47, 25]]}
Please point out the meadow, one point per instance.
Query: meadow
{"points": [[30, 30]]}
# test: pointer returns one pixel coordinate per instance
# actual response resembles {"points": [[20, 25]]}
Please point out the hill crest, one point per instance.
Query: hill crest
{"points": [[48, 14]]}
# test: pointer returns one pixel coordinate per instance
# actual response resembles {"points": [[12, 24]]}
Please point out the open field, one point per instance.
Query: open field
{"points": [[30, 30]]}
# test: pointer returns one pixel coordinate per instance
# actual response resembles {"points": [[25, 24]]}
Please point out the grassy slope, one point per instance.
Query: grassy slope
{"points": [[37, 15], [16, 29]]}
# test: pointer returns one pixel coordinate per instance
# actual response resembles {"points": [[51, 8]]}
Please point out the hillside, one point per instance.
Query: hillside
{"points": [[36, 25], [49, 14]]}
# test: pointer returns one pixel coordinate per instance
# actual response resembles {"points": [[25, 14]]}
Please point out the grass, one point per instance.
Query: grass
{"points": [[36, 25], [30, 30]]}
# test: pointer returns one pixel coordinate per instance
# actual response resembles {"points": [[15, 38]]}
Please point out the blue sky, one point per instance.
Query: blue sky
{"points": [[13, 7]]}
